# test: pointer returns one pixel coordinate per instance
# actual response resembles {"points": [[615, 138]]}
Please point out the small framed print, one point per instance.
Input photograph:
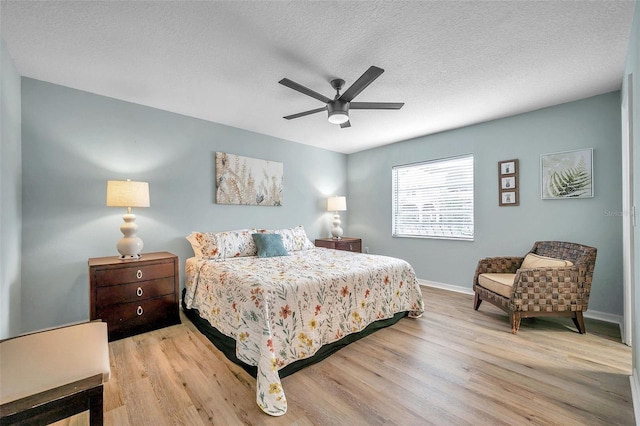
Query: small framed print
{"points": [[508, 197], [508, 182], [508, 185], [507, 167]]}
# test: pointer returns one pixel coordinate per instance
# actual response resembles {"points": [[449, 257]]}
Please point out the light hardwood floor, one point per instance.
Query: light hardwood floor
{"points": [[453, 366]]}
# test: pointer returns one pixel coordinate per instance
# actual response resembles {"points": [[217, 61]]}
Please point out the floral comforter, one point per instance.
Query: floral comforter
{"points": [[283, 309]]}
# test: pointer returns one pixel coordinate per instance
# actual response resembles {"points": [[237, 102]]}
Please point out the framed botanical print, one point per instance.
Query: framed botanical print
{"points": [[248, 181], [566, 174]]}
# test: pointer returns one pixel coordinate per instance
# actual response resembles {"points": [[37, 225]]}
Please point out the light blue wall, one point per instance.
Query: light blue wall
{"points": [[74, 141], [590, 123], [10, 195]]}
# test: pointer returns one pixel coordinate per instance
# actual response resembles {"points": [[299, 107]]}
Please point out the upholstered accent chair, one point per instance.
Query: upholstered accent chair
{"points": [[553, 279]]}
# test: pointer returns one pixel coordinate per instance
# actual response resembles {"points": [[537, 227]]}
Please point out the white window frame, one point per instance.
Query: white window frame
{"points": [[434, 199]]}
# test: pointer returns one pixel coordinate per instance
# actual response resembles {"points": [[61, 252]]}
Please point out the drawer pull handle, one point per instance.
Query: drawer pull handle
{"points": [[139, 274], [139, 291], [351, 247], [139, 311]]}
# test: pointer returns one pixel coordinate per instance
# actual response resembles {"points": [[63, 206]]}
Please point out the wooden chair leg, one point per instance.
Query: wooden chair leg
{"points": [[96, 407], [514, 318], [476, 302], [578, 320]]}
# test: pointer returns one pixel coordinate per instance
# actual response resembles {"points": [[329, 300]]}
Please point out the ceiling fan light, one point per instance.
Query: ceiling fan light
{"points": [[338, 117], [338, 111]]}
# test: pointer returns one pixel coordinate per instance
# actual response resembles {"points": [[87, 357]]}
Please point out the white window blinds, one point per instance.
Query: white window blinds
{"points": [[434, 199]]}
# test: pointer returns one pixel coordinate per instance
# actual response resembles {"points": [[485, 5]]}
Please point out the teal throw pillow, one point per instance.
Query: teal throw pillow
{"points": [[269, 245]]}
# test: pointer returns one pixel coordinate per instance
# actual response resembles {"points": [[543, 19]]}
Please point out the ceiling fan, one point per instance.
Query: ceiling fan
{"points": [[338, 107]]}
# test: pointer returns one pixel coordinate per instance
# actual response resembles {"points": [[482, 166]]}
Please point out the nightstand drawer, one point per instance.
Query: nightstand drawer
{"points": [[137, 317], [355, 246], [326, 243], [344, 244], [112, 295], [131, 274]]}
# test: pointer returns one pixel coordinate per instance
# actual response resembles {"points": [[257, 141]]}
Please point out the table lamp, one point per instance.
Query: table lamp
{"points": [[336, 204], [125, 193]]}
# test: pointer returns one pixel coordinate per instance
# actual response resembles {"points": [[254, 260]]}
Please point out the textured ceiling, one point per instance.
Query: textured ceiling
{"points": [[453, 63]]}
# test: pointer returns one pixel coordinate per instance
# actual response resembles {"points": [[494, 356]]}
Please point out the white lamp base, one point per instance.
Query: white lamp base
{"points": [[130, 245], [337, 230]]}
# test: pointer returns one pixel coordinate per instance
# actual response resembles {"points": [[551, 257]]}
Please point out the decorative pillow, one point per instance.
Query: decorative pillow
{"points": [[195, 245], [269, 245], [294, 239], [222, 245], [533, 261]]}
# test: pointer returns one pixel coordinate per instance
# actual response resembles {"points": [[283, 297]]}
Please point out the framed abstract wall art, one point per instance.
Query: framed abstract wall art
{"points": [[248, 181], [566, 174]]}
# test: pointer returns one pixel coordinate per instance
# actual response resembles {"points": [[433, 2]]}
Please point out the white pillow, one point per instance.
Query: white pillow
{"points": [[194, 239], [222, 245]]}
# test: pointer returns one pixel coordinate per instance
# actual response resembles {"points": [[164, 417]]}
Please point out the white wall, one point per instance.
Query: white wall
{"points": [[74, 141], [589, 123], [10, 195], [633, 67]]}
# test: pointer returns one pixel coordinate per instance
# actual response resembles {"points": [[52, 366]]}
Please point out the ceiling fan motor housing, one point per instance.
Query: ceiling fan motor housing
{"points": [[338, 111]]}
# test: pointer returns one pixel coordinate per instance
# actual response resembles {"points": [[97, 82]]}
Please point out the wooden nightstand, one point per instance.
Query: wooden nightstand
{"points": [[134, 296], [346, 244]]}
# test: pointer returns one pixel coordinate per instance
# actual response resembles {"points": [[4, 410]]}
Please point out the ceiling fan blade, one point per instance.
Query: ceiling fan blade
{"points": [[302, 114], [305, 90], [376, 105], [345, 124], [365, 79]]}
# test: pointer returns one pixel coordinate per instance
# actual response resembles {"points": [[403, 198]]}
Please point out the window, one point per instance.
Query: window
{"points": [[434, 199]]}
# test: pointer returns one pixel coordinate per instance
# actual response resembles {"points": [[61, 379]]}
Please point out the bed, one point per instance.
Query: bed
{"points": [[282, 311]]}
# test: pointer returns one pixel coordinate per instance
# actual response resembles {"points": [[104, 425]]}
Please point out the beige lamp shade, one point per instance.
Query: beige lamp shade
{"points": [[337, 204], [126, 193]]}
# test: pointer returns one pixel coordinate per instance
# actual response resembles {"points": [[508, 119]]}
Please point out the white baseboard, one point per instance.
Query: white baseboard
{"points": [[597, 315], [635, 394], [443, 286], [603, 316]]}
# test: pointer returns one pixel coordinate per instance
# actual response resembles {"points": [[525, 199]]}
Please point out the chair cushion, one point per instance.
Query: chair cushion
{"points": [[533, 261], [37, 362], [497, 283]]}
